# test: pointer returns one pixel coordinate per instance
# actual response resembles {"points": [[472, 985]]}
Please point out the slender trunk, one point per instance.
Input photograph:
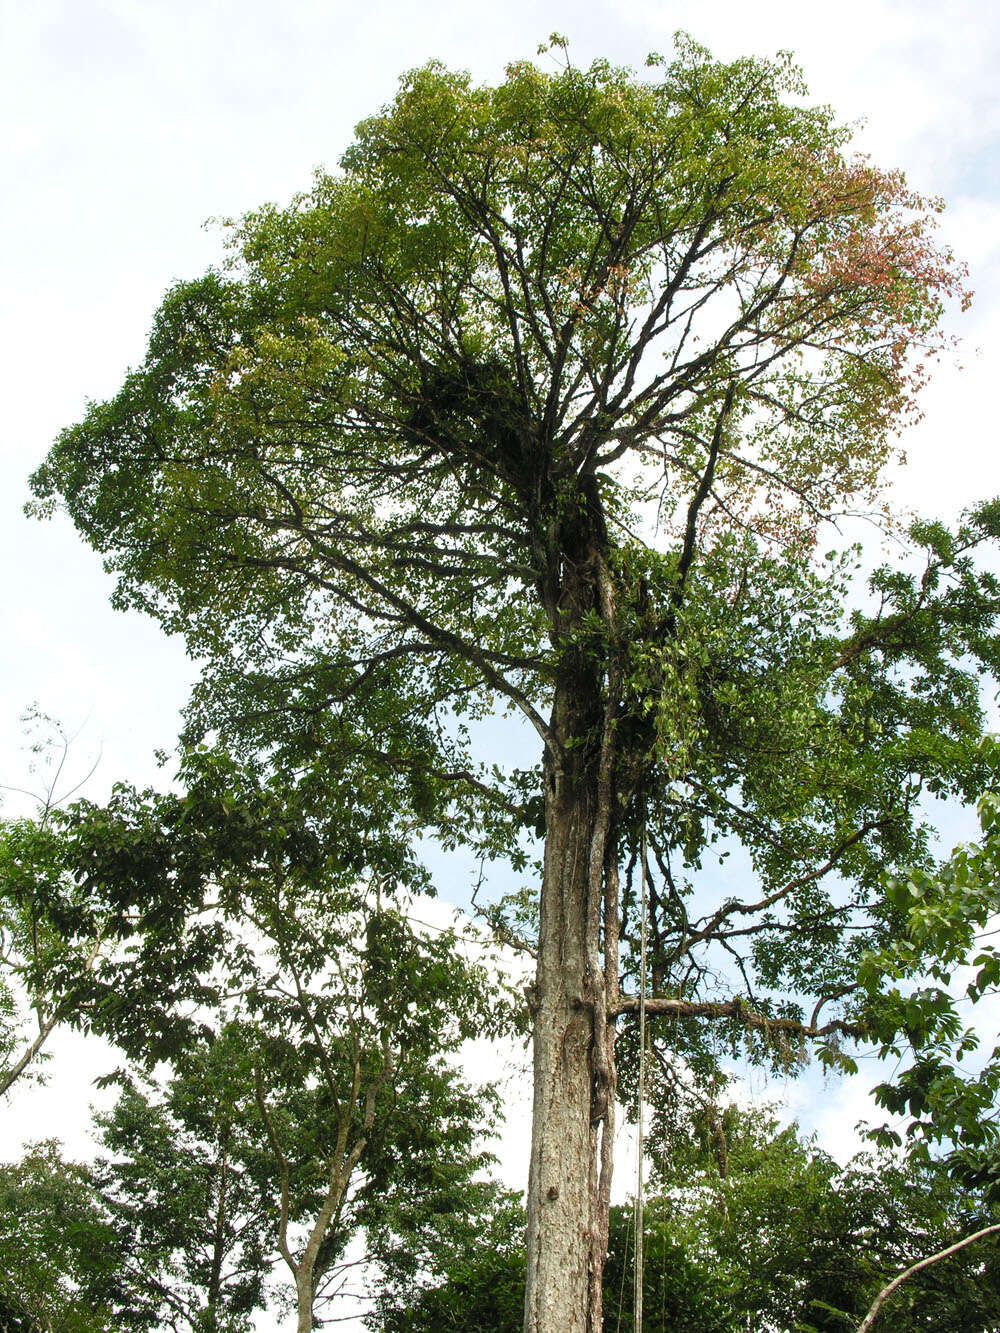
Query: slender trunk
{"points": [[219, 1237], [45, 1027], [305, 1271], [11, 1075], [869, 1319]]}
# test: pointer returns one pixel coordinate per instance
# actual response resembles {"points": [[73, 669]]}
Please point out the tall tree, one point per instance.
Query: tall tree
{"points": [[538, 405]]}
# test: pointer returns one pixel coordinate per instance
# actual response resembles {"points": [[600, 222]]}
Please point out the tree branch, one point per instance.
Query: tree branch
{"points": [[869, 1319], [738, 1009]]}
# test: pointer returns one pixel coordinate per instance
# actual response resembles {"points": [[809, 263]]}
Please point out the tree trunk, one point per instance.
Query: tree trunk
{"points": [[560, 1203], [304, 1299], [574, 1072]]}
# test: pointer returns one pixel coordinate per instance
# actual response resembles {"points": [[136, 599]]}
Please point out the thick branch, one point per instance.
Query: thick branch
{"points": [[10, 1076], [738, 1009], [446, 638], [699, 497], [800, 881]]}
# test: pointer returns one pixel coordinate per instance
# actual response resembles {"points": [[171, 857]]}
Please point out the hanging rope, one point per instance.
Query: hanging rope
{"points": [[637, 1302]]}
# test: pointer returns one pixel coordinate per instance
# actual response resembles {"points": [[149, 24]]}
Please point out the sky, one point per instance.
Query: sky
{"points": [[127, 124]]}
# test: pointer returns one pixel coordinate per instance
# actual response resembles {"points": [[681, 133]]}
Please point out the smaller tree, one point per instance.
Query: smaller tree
{"points": [[185, 1210], [785, 1238], [465, 1276], [919, 986], [94, 925], [332, 1019], [61, 1270], [32, 877], [366, 1125]]}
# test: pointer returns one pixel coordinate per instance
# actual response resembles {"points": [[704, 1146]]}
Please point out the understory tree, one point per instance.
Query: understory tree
{"points": [[922, 984], [78, 948], [314, 1094], [60, 1266], [799, 1241], [188, 1218], [541, 404], [31, 877]]}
